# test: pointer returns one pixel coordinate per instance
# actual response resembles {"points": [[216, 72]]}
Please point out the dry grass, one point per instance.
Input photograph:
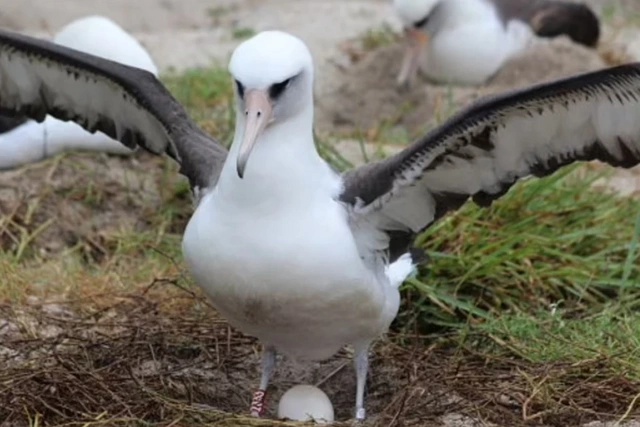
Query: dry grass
{"points": [[120, 358], [159, 355]]}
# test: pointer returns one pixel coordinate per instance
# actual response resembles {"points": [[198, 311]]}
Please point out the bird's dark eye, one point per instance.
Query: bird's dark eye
{"points": [[421, 23], [240, 89], [276, 89]]}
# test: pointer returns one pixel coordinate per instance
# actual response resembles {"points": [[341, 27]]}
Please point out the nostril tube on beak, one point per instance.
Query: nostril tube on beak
{"points": [[257, 113]]}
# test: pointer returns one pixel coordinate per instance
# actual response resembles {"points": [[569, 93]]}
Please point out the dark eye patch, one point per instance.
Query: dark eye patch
{"points": [[421, 23], [276, 89], [240, 89]]}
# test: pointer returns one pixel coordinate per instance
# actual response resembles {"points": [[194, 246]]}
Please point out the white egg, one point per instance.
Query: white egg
{"points": [[304, 403]]}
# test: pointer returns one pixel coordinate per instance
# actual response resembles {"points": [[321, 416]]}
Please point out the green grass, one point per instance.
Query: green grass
{"points": [[615, 15], [612, 334], [608, 13], [217, 12], [243, 33], [374, 38], [547, 241]]}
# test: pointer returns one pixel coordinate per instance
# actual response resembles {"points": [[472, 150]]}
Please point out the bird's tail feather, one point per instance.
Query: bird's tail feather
{"points": [[404, 266]]}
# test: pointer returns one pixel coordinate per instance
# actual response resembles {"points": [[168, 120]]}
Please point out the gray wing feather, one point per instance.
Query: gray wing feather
{"points": [[483, 150], [40, 78]]}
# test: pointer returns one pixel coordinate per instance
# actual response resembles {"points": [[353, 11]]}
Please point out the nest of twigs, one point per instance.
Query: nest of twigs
{"points": [[161, 356]]}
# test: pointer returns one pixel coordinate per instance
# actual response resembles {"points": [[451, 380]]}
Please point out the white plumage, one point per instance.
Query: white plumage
{"points": [[303, 287]]}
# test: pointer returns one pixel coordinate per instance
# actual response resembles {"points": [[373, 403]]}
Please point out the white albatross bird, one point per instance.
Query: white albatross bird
{"points": [[24, 141], [289, 250], [468, 41]]}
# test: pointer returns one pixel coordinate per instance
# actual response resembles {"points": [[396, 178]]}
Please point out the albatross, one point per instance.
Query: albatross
{"points": [[290, 251], [468, 41]]}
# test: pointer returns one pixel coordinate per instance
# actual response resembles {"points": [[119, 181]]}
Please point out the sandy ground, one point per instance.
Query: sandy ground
{"points": [[186, 33]]}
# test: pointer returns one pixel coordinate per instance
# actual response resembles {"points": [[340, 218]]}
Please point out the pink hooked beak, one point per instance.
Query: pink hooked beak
{"points": [[258, 112], [416, 40]]}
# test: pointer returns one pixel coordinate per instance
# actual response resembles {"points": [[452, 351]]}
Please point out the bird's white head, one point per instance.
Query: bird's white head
{"points": [[415, 16], [412, 13], [273, 74]]}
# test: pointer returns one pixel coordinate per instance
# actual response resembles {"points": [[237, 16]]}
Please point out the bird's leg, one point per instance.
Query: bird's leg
{"points": [[361, 360], [259, 396]]}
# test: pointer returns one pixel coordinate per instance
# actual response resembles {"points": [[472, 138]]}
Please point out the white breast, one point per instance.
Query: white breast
{"points": [[293, 279]]}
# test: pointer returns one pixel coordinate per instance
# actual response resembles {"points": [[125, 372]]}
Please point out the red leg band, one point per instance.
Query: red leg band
{"points": [[258, 402]]}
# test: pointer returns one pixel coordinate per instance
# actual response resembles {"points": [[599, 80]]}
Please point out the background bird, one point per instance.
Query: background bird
{"points": [[468, 41]]}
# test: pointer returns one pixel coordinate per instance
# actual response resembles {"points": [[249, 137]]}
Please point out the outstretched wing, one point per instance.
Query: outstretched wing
{"points": [[483, 150], [131, 105]]}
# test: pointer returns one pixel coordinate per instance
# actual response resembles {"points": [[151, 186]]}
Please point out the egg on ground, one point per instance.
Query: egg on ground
{"points": [[304, 403]]}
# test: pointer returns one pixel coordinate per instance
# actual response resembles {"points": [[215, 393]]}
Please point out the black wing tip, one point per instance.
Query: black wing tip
{"points": [[9, 122], [418, 256], [575, 20]]}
